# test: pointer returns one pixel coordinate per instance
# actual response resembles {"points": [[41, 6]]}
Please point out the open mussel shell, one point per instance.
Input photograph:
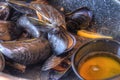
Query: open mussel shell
{"points": [[54, 60], [58, 43], [49, 15], [79, 19], [4, 11], [42, 26], [62, 41], [71, 42], [2, 62]]}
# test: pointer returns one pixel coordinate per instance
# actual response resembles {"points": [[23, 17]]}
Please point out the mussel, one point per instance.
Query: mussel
{"points": [[46, 14], [50, 21], [79, 19], [60, 39], [61, 42], [4, 11], [9, 30], [49, 15], [18, 9], [21, 6], [26, 52], [47, 20], [29, 19], [32, 29]]}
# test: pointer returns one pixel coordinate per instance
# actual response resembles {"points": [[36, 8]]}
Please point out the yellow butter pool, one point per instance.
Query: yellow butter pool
{"points": [[99, 67]]}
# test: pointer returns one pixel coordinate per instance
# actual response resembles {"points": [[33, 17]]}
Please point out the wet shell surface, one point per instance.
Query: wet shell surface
{"points": [[26, 52], [61, 42]]}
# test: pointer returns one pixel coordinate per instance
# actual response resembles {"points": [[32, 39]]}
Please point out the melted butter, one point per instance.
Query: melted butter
{"points": [[99, 67]]}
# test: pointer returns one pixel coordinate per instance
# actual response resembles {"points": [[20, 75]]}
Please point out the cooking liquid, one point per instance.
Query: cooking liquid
{"points": [[99, 67]]}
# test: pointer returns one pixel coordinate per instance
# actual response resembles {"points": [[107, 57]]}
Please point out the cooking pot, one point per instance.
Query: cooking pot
{"points": [[106, 47]]}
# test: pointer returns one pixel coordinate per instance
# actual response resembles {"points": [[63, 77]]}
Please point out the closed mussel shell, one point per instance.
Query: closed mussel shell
{"points": [[26, 51]]}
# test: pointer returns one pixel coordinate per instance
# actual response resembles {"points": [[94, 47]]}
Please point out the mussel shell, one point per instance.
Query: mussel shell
{"points": [[21, 6], [42, 26], [27, 51], [71, 41], [2, 62], [34, 27], [43, 14], [80, 11], [46, 13], [9, 31], [79, 19], [4, 30], [61, 42], [14, 15], [4, 11], [29, 26]]}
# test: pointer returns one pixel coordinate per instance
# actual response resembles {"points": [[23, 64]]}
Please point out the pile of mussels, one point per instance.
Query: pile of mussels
{"points": [[32, 32]]}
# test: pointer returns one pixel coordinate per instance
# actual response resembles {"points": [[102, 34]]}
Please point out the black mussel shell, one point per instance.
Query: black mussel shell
{"points": [[26, 52], [79, 19], [14, 15], [49, 15], [21, 6], [34, 27], [4, 11], [41, 25]]}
